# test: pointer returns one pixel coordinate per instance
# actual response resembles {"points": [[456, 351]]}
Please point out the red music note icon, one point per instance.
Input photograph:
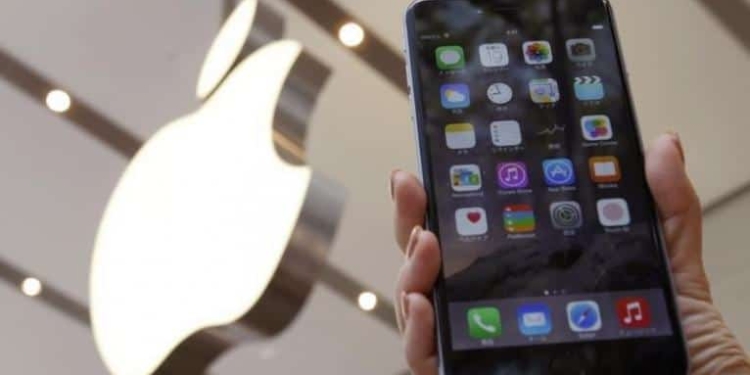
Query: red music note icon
{"points": [[634, 312]]}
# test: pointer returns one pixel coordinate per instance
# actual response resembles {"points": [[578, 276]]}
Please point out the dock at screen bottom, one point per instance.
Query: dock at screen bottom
{"points": [[559, 319]]}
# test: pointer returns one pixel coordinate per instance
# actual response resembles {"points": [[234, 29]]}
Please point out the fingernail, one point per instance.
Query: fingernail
{"points": [[390, 183], [677, 142], [405, 306], [413, 239]]}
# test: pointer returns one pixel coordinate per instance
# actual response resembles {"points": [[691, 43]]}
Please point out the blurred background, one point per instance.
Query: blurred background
{"points": [[137, 62]]}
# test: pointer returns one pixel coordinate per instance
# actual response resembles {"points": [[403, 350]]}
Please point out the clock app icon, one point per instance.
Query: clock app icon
{"points": [[500, 93]]}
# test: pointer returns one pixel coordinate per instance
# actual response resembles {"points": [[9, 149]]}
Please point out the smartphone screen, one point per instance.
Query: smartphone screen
{"points": [[552, 258]]}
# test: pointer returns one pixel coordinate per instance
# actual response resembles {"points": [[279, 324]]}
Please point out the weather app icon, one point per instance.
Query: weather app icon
{"points": [[455, 96]]}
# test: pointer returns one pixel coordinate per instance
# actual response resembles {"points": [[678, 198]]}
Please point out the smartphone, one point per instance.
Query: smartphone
{"points": [[553, 258]]}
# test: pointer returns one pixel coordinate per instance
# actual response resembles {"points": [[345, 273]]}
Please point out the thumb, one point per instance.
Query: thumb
{"points": [[681, 215]]}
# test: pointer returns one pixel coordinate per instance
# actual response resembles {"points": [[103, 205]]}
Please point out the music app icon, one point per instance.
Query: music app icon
{"points": [[634, 312], [512, 175]]}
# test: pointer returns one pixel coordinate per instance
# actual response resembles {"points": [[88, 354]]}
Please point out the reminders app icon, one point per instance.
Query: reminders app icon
{"points": [[455, 96]]}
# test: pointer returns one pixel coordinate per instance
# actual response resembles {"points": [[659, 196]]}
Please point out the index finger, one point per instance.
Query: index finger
{"points": [[411, 203]]}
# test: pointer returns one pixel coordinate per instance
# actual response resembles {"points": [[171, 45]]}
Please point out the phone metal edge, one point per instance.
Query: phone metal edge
{"points": [[420, 165], [658, 227]]}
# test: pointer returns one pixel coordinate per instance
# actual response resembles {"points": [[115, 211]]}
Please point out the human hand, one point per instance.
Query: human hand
{"points": [[712, 347]]}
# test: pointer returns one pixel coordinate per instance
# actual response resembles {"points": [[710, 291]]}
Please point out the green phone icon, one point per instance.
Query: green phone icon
{"points": [[450, 58], [484, 323]]}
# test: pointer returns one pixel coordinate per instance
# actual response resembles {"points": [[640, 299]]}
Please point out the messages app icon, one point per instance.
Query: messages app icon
{"points": [[455, 96], [450, 58]]}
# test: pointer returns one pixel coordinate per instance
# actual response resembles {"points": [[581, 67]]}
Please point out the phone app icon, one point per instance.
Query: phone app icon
{"points": [[460, 136], [605, 169], [581, 50], [506, 133], [500, 93], [633, 312], [537, 52], [534, 319], [455, 96], [589, 88], [450, 58], [494, 55], [566, 215], [559, 172], [584, 316], [471, 221], [613, 212], [466, 178], [596, 128], [544, 91], [519, 218], [512, 175], [484, 323]]}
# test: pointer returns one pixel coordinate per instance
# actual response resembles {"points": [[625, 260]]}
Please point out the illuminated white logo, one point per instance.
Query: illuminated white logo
{"points": [[201, 218]]}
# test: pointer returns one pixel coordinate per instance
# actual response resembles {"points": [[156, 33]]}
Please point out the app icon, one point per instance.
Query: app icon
{"points": [[605, 169], [589, 88], [596, 128], [633, 313], [581, 50], [512, 175], [506, 133], [544, 91], [559, 172], [534, 319], [471, 221], [466, 178], [460, 136], [500, 93], [494, 55], [484, 323], [519, 218], [450, 58], [613, 212], [537, 52], [455, 96], [584, 316], [566, 215]]}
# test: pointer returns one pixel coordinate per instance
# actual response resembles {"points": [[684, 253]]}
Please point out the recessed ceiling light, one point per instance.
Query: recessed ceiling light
{"points": [[58, 101], [31, 287], [368, 301], [351, 34]]}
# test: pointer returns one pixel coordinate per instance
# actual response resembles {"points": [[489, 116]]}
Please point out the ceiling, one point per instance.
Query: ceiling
{"points": [[137, 61]]}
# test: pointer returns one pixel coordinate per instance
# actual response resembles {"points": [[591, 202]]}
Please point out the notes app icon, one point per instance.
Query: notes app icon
{"points": [[460, 136]]}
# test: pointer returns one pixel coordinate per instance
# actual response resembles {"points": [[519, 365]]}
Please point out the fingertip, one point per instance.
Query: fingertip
{"points": [[419, 272], [407, 190], [411, 203], [667, 177], [419, 335]]}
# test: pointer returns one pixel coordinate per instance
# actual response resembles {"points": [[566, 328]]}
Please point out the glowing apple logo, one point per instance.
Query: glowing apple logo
{"points": [[210, 237]]}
